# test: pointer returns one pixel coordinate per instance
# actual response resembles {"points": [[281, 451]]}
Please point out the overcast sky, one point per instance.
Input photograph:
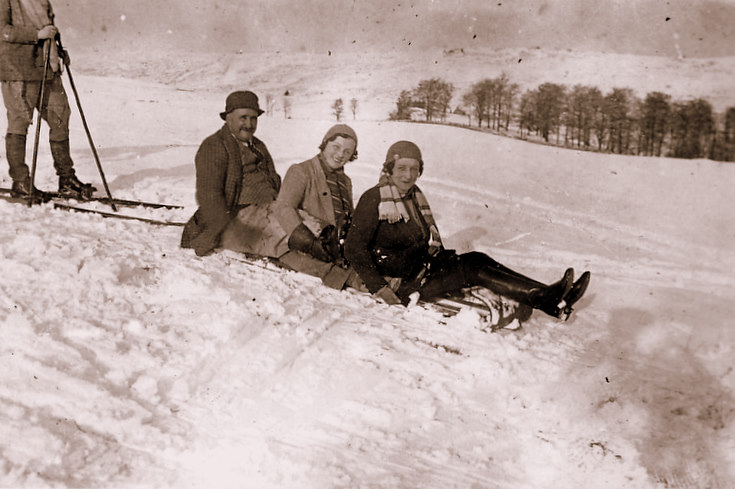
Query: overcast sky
{"points": [[675, 27]]}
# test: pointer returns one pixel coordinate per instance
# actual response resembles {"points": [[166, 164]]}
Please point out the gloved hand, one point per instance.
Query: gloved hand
{"points": [[65, 57], [387, 295], [302, 239], [329, 242], [47, 32]]}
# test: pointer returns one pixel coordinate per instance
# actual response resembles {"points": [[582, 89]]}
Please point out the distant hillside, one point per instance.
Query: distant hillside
{"points": [[674, 28], [316, 80]]}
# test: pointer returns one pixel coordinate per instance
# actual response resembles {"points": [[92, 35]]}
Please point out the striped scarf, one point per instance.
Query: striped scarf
{"points": [[393, 209], [340, 193]]}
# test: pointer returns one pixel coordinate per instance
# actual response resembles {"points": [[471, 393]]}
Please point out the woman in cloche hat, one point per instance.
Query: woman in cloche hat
{"points": [[395, 247]]}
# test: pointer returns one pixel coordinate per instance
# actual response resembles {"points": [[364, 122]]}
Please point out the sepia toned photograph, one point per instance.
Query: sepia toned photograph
{"points": [[367, 244]]}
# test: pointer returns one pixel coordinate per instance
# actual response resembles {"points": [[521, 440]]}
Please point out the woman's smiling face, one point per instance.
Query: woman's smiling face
{"points": [[405, 173], [338, 152]]}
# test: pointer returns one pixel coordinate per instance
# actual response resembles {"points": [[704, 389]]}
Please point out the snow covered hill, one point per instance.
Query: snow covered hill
{"points": [[126, 361]]}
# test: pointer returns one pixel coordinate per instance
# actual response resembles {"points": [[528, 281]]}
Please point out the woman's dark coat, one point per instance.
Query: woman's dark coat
{"points": [[376, 249]]}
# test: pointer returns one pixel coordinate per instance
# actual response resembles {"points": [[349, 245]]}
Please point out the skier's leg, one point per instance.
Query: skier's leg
{"points": [[20, 116], [56, 112], [15, 152]]}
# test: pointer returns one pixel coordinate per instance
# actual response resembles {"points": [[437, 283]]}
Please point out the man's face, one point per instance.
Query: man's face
{"points": [[242, 123]]}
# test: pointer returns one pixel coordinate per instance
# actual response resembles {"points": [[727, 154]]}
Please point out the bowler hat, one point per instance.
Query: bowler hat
{"points": [[241, 100]]}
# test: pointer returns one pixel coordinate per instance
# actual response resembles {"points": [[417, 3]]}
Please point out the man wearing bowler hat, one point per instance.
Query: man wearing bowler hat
{"points": [[233, 170]]}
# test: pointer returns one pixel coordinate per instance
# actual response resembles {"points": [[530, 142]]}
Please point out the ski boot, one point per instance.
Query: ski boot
{"points": [[575, 293], [21, 189], [71, 186]]}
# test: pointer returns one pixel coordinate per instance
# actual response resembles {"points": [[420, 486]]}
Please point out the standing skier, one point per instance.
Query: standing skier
{"points": [[27, 35], [393, 234]]}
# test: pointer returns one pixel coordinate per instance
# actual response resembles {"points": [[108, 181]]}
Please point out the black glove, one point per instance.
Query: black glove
{"points": [[302, 239], [329, 242]]}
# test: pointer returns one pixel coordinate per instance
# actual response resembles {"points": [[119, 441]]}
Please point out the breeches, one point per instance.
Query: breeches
{"points": [[21, 98]]}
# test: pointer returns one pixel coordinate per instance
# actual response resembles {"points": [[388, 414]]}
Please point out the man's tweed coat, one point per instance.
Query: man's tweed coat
{"points": [[219, 184]]}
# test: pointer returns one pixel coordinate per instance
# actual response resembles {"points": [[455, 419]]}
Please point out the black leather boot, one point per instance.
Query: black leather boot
{"points": [[15, 152], [21, 189], [578, 289], [69, 184], [546, 298]]}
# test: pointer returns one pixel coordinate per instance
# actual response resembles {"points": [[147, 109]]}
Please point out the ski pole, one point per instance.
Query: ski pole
{"points": [[86, 128], [39, 105]]}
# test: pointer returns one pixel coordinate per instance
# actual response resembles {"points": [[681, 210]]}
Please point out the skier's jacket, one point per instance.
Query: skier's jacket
{"points": [[219, 188], [21, 52]]}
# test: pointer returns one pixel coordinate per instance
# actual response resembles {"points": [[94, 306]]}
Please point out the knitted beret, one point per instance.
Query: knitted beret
{"points": [[336, 129], [403, 149]]}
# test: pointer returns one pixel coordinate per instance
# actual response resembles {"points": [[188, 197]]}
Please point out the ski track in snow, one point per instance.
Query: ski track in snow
{"points": [[129, 362]]}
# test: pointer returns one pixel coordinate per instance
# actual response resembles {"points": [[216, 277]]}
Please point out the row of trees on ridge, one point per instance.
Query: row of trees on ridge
{"points": [[582, 116]]}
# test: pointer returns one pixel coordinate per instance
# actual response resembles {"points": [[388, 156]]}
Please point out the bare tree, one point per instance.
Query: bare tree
{"points": [[729, 135], [549, 107], [337, 109], [353, 108], [508, 102], [434, 95], [527, 114], [692, 130], [654, 123], [618, 106], [468, 104], [477, 100], [270, 103], [286, 107], [403, 107], [579, 115]]}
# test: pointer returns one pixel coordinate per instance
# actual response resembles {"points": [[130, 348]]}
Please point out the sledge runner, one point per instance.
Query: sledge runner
{"points": [[28, 49], [395, 247]]}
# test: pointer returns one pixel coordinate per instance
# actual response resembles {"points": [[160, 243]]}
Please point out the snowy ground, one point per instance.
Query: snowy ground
{"points": [[128, 362]]}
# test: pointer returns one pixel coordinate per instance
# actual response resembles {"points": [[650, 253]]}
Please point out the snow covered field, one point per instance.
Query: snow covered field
{"points": [[126, 361]]}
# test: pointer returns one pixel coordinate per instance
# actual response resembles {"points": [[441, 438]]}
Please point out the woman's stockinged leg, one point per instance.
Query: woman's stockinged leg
{"points": [[480, 269], [454, 272]]}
